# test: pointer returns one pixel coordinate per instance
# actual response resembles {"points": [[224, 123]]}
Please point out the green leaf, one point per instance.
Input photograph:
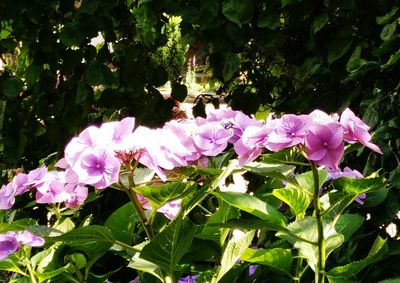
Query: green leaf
{"points": [[253, 205], [358, 186], [307, 229], [138, 263], [277, 171], [168, 247], [82, 93], [98, 74], [319, 22], [231, 65], [9, 265], [377, 253], [160, 195], [338, 47], [238, 11], [297, 199], [270, 19], [279, 259], [224, 213], [71, 34], [17, 225], [305, 181], [388, 30], [50, 274], [12, 87], [179, 91], [251, 224], [122, 223], [392, 280], [94, 233], [388, 17], [233, 251], [393, 60], [347, 224]]}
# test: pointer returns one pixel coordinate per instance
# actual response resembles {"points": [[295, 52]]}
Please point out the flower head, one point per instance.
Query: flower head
{"points": [[324, 145], [355, 130]]}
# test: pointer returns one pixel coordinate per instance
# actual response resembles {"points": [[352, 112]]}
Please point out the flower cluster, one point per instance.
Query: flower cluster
{"points": [[94, 158], [11, 241]]}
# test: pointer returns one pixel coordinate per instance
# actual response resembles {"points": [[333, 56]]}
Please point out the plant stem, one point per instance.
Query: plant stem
{"points": [[138, 206], [30, 271], [319, 269]]}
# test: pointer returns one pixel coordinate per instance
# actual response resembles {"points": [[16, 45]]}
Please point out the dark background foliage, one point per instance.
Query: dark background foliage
{"points": [[280, 55]]}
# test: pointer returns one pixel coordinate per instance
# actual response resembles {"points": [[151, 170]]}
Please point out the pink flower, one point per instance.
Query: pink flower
{"points": [[11, 241], [212, 139], [8, 245], [289, 130], [7, 196], [324, 145], [355, 130], [97, 167], [251, 143]]}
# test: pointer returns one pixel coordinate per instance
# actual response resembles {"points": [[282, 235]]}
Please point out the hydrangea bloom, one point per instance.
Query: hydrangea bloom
{"points": [[188, 279], [212, 139], [8, 245], [355, 130], [170, 209], [289, 130], [324, 144], [11, 241]]}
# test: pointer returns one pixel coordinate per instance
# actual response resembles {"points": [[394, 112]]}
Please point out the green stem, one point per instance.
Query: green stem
{"points": [[138, 206], [299, 263], [30, 271], [319, 270]]}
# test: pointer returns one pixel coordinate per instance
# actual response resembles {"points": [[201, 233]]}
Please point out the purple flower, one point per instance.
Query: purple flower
{"points": [[251, 143], [97, 167], [324, 145], [7, 196], [8, 245], [10, 242], [355, 130], [289, 130], [188, 279], [212, 139], [27, 238]]}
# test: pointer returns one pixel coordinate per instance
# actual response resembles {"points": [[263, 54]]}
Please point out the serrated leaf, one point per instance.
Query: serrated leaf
{"points": [[347, 224], [95, 233], [253, 205], [279, 259], [17, 225], [307, 229], [250, 224], [358, 186], [50, 274], [122, 222], [224, 213], [168, 247], [138, 263], [233, 251], [160, 195], [9, 265], [277, 171], [377, 253], [297, 199]]}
